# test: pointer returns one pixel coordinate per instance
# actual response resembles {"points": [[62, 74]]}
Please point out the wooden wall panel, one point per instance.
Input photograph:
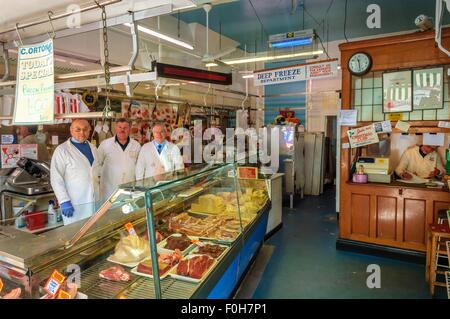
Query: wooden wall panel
{"points": [[414, 220], [360, 214], [386, 217]]}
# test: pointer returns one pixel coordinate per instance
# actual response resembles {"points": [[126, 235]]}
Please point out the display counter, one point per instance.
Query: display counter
{"points": [[199, 228]]}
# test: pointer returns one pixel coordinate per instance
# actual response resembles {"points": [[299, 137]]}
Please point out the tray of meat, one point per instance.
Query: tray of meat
{"points": [[115, 273], [209, 248], [193, 268], [13, 294], [176, 241], [165, 263]]}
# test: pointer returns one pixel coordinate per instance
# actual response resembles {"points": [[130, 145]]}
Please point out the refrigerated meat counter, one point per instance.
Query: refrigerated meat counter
{"points": [[140, 228]]}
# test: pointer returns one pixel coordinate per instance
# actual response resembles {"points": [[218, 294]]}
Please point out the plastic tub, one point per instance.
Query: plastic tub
{"points": [[36, 220]]}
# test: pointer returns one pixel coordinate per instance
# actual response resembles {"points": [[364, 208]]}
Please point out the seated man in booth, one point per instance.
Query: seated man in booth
{"points": [[422, 161]]}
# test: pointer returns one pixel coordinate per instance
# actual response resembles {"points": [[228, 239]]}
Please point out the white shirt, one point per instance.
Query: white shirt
{"points": [[118, 166], [74, 179], [413, 162], [150, 163]]}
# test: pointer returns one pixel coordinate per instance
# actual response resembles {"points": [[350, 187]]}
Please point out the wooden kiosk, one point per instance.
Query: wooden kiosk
{"points": [[390, 217]]}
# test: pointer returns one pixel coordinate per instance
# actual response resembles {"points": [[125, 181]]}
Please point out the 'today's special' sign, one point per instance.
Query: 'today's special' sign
{"points": [[35, 84], [301, 72]]}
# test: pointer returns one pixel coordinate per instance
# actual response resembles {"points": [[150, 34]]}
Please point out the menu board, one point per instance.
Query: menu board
{"points": [[427, 90], [397, 96], [35, 84]]}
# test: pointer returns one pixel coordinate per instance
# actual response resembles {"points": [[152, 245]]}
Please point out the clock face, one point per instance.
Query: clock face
{"points": [[360, 63]]}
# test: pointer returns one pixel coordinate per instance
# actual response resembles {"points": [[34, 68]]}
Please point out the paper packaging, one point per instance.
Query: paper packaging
{"points": [[436, 139], [402, 126]]}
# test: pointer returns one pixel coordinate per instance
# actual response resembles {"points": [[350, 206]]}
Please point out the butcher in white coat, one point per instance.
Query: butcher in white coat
{"points": [[158, 156], [422, 161], [117, 156], [74, 174]]}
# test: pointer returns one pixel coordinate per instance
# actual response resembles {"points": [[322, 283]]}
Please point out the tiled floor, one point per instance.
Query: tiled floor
{"points": [[306, 264]]}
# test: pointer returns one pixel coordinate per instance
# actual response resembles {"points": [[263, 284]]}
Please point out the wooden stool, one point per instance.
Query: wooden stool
{"points": [[434, 232]]}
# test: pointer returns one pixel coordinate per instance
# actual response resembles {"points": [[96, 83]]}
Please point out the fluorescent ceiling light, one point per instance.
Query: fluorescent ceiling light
{"points": [[77, 64], [248, 76], [211, 64], [270, 58], [291, 43], [163, 37]]}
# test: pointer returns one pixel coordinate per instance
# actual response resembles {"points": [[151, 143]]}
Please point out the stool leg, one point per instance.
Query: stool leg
{"points": [[433, 264], [428, 257]]}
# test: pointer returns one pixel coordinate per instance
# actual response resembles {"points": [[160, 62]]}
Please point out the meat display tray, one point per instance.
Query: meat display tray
{"points": [[136, 272], [165, 250], [173, 271], [196, 249]]}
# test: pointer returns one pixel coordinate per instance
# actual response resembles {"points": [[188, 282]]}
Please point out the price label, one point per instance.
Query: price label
{"points": [[54, 283], [1, 285], [129, 227], [63, 295]]}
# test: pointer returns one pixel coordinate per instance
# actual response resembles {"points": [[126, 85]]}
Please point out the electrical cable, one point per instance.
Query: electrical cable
{"points": [[257, 16], [321, 43], [345, 20]]}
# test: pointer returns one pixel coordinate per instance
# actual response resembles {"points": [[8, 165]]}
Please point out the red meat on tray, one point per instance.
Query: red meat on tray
{"points": [[195, 267], [115, 273]]}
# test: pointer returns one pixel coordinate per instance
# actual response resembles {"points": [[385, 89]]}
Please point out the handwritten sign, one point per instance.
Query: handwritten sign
{"points": [[35, 84], [362, 136], [248, 172], [301, 72]]}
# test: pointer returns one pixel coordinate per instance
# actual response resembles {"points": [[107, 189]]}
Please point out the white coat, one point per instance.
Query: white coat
{"points": [[118, 166], [412, 162], [74, 179], [150, 163]]}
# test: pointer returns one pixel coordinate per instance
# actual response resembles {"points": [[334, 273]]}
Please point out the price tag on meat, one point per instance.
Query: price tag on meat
{"points": [[54, 283], [1, 285], [63, 295], [129, 227]]}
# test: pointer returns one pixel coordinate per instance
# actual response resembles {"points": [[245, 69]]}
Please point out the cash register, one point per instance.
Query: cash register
{"points": [[376, 168]]}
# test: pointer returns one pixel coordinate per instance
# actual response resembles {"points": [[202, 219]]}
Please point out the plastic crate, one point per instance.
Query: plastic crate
{"points": [[36, 220]]}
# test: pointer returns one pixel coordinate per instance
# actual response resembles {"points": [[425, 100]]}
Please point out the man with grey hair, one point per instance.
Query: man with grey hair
{"points": [[74, 174], [118, 156], [158, 156]]}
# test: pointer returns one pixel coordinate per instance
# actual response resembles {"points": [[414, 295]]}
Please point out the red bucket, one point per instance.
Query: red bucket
{"points": [[36, 220]]}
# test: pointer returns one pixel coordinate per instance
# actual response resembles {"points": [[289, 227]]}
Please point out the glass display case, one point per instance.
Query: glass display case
{"points": [[196, 228]]}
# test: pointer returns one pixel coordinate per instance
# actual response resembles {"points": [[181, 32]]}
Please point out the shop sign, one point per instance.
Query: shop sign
{"points": [[35, 84], [301, 72], [362, 136], [247, 172]]}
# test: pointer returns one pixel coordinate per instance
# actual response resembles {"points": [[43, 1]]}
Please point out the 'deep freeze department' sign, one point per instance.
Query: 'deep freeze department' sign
{"points": [[295, 73], [35, 84]]}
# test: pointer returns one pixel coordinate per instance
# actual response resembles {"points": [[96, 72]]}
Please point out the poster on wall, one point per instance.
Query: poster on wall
{"points": [[397, 89], [35, 84], [13, 152], [362, 136], [427, 89]]}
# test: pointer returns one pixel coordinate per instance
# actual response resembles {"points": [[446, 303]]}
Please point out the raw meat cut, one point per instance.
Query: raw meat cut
{"points": [[13, 294], [165, 262], [115, 273], [178, 242], [195, 267], [211, 250]]}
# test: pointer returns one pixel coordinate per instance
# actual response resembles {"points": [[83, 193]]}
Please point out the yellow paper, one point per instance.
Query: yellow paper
{"points": [[402, 126]]}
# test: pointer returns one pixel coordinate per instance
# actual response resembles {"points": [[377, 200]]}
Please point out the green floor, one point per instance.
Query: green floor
{"points": [[305, 263]]}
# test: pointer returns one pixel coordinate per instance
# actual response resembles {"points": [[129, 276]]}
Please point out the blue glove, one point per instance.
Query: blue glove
{"points": [[67, 209]]}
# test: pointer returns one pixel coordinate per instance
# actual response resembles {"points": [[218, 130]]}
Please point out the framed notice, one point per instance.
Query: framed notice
{"points": [[397, 92], [428, 89]]}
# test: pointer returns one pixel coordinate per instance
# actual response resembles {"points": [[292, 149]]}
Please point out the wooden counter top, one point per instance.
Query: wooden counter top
{"points": [[396, 184]]}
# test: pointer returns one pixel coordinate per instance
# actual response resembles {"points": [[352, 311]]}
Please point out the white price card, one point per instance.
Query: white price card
{"points": [[402, 126]]}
